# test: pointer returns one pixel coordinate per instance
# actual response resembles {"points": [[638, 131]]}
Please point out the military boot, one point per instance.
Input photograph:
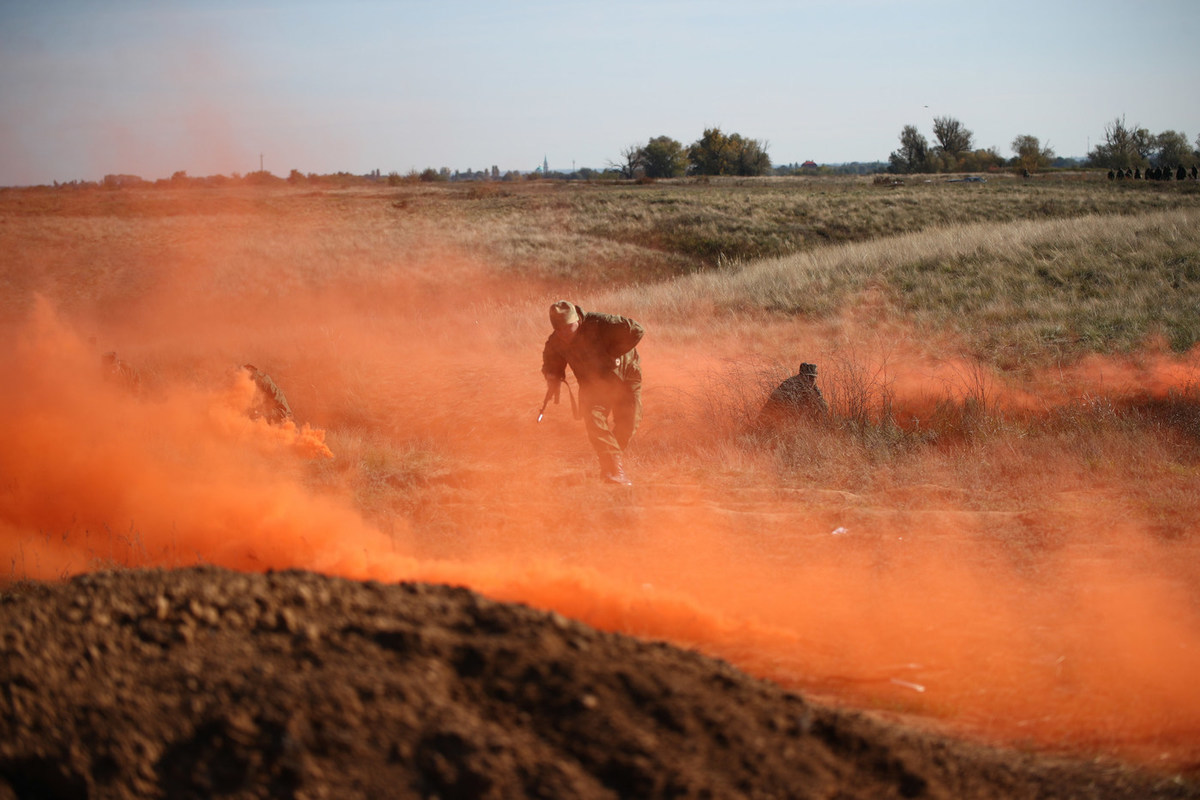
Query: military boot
{"points": [[612, 471]]}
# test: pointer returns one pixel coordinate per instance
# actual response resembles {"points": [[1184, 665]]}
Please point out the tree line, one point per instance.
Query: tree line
{"points": [[953, 150], [1125, 147], [1134, 147]]}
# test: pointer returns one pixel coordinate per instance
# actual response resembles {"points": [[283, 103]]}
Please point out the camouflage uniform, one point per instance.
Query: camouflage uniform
{"points": [[269, 402], [797, 397], [603, 356]]}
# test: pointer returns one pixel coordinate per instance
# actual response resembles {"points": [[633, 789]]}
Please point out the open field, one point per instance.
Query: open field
{"points": [[998, 534]]}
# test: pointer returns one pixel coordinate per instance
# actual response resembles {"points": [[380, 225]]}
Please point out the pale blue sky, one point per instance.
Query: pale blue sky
{"points": [[148, 87]]}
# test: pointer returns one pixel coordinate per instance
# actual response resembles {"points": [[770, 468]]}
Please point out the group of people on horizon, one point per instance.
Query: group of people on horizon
{"points": [[1181, 173]]}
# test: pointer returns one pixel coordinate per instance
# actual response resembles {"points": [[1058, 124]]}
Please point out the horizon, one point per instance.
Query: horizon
{"points": [[220, 88]]}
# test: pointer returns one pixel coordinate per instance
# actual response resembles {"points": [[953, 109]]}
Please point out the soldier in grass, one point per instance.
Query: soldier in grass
{"points": [[796, 398], [269, 402], [601, 350]]}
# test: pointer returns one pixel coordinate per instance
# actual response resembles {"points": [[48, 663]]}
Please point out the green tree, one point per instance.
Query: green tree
{"points": [[663, 157], [1031, 155], [1171, 149], [913, 153], [952, 138], [710, 154], [749, 155], [714, 153]]}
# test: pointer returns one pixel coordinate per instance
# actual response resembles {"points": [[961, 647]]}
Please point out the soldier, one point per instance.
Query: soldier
{"points": [[798, 397], [269, 402], [601, 350]]}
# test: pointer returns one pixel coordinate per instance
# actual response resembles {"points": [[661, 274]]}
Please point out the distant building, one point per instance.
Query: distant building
{"points": [[809, 165]]}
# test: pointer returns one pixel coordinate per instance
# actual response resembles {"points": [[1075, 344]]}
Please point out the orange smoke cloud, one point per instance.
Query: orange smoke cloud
{"points": [[1050, 617], [93, 474]]}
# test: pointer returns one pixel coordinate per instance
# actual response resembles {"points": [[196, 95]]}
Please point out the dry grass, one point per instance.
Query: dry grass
{"points": [[1010, 368], [1020, 293], [1023, 275]]}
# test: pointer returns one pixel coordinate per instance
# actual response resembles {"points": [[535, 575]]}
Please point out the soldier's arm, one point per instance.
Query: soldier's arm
{"points": [[554, 363]]}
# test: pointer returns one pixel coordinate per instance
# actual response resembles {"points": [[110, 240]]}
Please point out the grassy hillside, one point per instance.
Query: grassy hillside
{"points": [[1002, 502]]}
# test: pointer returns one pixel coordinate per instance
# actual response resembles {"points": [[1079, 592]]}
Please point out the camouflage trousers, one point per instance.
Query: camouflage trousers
{"points": [[620, 400]]}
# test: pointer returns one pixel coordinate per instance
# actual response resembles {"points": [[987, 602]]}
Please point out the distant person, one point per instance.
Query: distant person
{"points": [[601, 350], [120, 373], [796, 398], [269, 402]]}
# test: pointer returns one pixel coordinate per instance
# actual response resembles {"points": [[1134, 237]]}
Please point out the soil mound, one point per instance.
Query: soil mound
{"points": [[205, 682]]}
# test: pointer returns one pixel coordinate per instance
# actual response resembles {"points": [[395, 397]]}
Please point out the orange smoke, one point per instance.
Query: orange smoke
{"points": [[1002, 592], [94, 475]]}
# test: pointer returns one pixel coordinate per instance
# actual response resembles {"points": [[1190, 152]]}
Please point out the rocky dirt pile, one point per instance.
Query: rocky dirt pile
{"points": [[209, 683]]}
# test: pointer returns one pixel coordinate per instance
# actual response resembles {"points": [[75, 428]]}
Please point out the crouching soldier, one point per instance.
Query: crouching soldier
{"points": [[601, 350], [269, 402], [798, 397]]}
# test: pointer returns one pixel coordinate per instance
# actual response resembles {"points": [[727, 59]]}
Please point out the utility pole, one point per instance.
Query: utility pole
{"points": [[260, 162]]}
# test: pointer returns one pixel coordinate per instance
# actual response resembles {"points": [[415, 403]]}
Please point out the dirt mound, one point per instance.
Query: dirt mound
{"points": [[206, 682]]}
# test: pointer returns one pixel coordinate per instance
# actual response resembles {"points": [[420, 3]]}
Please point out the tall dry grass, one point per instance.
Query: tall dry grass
{"points": [[1019, 293]]}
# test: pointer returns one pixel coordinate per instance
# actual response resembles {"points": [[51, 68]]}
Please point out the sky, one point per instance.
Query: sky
{"points": [[151, 87]]}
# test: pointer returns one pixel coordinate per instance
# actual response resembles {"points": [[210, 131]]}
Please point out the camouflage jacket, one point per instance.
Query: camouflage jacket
{"points": [[269, 402], [604, 349]]}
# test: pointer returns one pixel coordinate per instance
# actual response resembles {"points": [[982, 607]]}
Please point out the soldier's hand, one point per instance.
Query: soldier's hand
{"points": [[553, 387]]}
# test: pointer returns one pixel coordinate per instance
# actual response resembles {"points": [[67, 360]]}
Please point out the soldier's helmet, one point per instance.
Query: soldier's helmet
{"points": [[808, 369]]}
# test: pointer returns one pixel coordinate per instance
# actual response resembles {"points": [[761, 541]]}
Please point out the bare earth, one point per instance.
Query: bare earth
{"points": [[205, 682]]}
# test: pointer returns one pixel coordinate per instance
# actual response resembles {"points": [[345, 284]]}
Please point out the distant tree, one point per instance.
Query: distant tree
{"points": [[980, 160], [663, 157], [1171, 149], [1123, 147], [952, 138], [122, 181], [630, 164], [714, 153], [913, 153], [431, 175], [750, 156], [295, 177], [710, 155], [1030, 153]]}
